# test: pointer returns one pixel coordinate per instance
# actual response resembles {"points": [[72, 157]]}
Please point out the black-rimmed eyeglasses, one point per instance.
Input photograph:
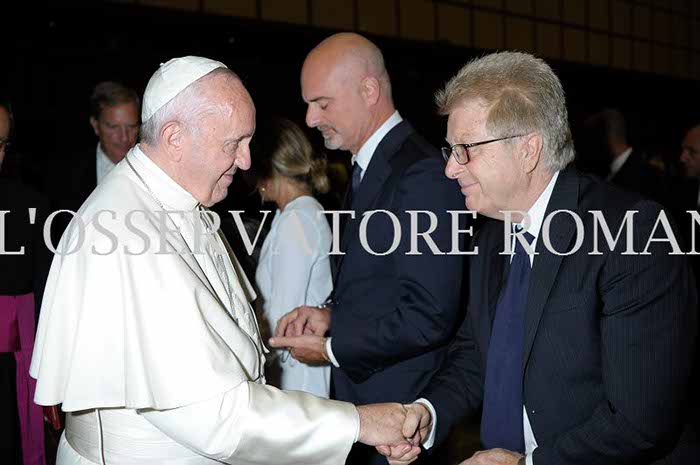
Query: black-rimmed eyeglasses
{"points": [[461, 151]]}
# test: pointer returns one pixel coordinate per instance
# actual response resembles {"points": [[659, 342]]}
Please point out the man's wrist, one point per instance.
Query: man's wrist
{"points": [[521, 461], [324, 352]]}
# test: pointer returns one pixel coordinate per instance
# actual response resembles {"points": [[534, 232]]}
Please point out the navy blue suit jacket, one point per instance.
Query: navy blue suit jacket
{"points": [[609, 338], [394, 314]]}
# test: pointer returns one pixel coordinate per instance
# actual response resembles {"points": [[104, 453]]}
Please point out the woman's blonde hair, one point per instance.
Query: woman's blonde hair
{"points": [[280, 147]]}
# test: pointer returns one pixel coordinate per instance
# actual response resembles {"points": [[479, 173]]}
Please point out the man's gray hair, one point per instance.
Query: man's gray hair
{"points": [[523, 95], [185, 108]]}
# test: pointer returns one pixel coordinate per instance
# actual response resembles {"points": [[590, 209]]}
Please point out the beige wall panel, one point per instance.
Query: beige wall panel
{"points": [[598, 49], [661, 27], [417, 19], [377, 17], [454, 25], [574, 45], [621, 15], [178, 4], [663, 3], [695, 32], [488, 30], [682, 6], [641, 22], [661, 59], [524, 7], [498, 4], [547, 9], [333, 14], [598, 14], [288, 11], [548, 40], [241, 8], [622, 53], [680, 32], [520, 34], [679, 63], [575, 12], [641, 56]]}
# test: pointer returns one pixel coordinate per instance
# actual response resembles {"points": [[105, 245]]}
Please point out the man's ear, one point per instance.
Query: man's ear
{"points": [[531, 151], [371, 90], [95, 124], [172, 136]]}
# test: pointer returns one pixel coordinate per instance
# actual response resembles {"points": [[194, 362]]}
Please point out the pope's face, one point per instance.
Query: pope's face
{"points": [[221, 144], [117, 128]]}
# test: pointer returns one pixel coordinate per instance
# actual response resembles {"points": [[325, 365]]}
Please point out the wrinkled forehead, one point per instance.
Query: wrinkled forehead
{"points": [[467, 120]]}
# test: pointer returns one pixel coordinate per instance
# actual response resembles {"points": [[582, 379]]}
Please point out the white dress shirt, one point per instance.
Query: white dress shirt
{"points": [[536, 216], [103, 164], [362, 158], [618, 162]]}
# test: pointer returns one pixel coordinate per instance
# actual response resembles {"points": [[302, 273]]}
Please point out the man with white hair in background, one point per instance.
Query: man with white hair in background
{"points": [[163, 362]]}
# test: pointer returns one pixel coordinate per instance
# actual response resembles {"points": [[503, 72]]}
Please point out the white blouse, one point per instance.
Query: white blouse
{"points": [[294, 269]]}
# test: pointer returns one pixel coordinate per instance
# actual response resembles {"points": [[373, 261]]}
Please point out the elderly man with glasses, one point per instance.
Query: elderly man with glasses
{"points": [[575, 353]]}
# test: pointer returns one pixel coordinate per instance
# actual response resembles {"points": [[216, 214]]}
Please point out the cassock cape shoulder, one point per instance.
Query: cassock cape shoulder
{"points": [[136, 331]]}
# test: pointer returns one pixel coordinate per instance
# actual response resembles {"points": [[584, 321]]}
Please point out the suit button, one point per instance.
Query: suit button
{"points": [[532, 411]]}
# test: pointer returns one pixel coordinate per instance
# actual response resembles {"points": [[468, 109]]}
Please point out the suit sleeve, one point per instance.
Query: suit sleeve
{"points": [[648, 328], [427, 286]]}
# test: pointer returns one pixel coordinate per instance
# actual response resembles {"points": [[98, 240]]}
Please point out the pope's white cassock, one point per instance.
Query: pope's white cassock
{"points": [[157, 357]]}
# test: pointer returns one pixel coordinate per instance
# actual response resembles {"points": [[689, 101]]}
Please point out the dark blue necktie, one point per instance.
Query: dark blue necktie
{"points": [[502, 416], [356, 177]]}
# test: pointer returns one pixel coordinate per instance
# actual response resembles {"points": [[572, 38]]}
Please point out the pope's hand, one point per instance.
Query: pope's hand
{"points": [[381, 424], [400, 455], [307, 349], [304, 320]]}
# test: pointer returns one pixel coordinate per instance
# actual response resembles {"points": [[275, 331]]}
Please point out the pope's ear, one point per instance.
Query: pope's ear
{"points": [[172, 136]]}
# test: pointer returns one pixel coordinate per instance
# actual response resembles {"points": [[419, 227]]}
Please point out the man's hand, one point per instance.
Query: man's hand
{"points": [[304, 320], [415, 429], [382, 424], [307, 349], [400, 455], [494, 457]]}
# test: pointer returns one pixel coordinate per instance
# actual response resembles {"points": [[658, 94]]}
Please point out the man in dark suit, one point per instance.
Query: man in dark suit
{"points": [[115, 119], [579, 353], [395, 298]]}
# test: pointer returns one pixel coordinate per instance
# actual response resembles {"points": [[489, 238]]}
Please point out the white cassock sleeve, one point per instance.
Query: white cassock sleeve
{"points": [[259, 424]]}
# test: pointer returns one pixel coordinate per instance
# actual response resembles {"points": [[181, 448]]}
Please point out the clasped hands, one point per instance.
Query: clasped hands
{"points": [[302, 332], [396, 430]]}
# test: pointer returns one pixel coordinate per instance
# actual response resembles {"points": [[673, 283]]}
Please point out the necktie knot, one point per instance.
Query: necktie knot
{"points": [[356, 176]]}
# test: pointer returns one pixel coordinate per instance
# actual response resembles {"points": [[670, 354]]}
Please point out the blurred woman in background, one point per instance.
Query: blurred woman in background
{"points": [[294, 267]]}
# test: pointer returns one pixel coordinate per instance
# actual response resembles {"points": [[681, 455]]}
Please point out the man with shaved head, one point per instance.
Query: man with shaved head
{"points": [[385, 327], [147, 337]]}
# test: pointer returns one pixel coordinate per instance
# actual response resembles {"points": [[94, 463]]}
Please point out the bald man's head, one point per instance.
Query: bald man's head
{"points": [[346, 85]]}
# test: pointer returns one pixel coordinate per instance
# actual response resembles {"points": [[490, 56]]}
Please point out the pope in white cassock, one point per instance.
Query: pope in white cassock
{"points": [[146, 335]]}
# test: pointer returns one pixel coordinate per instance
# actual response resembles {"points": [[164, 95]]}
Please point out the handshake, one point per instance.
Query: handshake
{"points": [[396, 430]]}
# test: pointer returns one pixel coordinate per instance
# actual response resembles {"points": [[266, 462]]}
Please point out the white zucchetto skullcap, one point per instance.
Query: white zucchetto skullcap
{"points": [[172, 78]]}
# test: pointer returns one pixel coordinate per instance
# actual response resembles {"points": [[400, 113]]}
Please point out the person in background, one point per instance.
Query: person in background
{"points": [[24, 262], [294, 267], [115, 120]]}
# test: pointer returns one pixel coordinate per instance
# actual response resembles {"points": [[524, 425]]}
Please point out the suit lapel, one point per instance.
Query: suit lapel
{"points": [[377, 173], [546, 264]]}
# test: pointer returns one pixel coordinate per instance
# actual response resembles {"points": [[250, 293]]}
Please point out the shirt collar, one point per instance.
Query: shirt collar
{"points": [[364, 155], [163, 187], [103, 164], [619, 161], [539, 208]]}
